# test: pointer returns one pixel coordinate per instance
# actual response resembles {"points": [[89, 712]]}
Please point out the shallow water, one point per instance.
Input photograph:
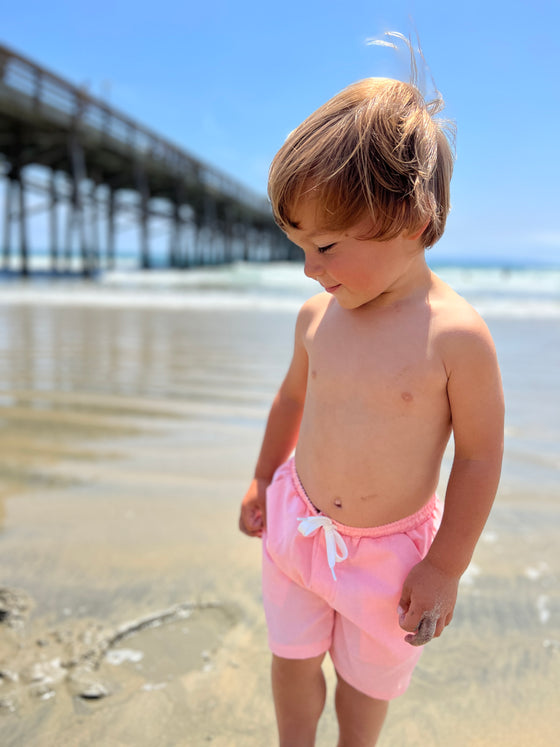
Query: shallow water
{"points": [[128, 435]]}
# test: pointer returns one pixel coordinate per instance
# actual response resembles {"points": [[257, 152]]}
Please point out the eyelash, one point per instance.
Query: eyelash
{"points": [[322, 249]]}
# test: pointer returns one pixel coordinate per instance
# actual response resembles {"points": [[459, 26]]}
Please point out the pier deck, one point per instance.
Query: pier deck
{"points": [[96, 164]]}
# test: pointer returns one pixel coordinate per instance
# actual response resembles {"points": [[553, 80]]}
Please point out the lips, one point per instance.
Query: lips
{"points": [[331, 288]]}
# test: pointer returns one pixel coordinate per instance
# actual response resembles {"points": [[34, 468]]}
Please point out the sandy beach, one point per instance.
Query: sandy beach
{"points": [[130, 604]]}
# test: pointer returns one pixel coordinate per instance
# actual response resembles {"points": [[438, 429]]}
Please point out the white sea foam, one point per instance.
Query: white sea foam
{"points": [[152, 686], [276, 287], [117, 656], [529, 293], [534, 573], [543, 609], [139, 299], [469, 576]]}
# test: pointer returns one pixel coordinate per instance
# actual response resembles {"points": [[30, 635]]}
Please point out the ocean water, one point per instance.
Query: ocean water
{"points": [[520, 306], [131, 411], [494, 291]]}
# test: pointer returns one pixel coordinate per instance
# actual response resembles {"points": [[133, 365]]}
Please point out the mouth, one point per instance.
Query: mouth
{"points": [[331, 288]]}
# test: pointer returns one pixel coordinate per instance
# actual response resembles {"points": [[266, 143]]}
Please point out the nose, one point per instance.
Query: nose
{"points": [[312, 267]]}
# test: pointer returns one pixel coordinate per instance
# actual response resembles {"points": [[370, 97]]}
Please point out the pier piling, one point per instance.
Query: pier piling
{"points": [[94, 166]]}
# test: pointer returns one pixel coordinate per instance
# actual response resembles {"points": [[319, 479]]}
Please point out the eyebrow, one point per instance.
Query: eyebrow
{"points": [[312, 235]]}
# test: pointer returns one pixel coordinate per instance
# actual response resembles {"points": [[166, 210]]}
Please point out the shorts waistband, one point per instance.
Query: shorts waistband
{"points": [[383, 530]]}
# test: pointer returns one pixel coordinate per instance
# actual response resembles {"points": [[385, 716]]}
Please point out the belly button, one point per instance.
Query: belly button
{"points": [[337, 502]]}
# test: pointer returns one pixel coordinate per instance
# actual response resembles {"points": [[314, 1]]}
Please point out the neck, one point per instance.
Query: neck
{"points": [[412, 285]]}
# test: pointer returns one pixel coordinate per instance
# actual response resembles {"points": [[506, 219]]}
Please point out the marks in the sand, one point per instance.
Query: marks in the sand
{"points": [[82, 657], [15, 605], [161, 652]]}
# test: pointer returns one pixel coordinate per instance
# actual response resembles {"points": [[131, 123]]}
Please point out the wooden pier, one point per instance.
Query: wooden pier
{"points": [[89, 168]]}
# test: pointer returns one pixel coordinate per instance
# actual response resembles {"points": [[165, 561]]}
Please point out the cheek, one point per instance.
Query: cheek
{"points": [[355, 274]]}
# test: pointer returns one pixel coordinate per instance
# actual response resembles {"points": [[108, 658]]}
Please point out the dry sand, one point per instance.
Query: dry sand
{"points": [[130, 602]]}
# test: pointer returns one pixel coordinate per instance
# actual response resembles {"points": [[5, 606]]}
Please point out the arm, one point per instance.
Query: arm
{"points": [[280, 435], [477, 411]]}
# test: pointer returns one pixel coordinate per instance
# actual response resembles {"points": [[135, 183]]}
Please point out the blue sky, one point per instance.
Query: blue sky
{"points": [[228, 80]]}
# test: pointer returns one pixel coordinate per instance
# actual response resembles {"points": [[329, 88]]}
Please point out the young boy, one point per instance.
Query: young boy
{"points": [[387, 362]]}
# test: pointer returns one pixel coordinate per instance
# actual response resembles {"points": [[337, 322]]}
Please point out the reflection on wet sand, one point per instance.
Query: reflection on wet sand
{"points": [[127, 438]]}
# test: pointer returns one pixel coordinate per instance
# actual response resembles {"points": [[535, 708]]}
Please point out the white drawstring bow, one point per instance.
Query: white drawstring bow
{"points": [[336, 547]]}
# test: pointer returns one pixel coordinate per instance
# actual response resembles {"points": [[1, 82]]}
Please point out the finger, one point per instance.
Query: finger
{"points": [[404, 602], [410, 620], [442, 623], [439, 627], [425, 631], [244, 528], [253, 527]]}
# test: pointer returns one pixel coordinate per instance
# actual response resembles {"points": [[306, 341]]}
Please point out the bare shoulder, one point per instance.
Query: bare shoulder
{"points": [[314, 308], [459, 331], [316, 304], [474, 387]]}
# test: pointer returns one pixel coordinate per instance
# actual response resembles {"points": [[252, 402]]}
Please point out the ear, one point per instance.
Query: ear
{"points": [[413, 235]]}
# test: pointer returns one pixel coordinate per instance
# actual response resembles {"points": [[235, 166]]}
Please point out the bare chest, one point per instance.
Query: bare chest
{"points": [[389, 363]]}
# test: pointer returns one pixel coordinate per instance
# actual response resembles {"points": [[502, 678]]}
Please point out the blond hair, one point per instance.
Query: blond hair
{"points": [[373, 149]]}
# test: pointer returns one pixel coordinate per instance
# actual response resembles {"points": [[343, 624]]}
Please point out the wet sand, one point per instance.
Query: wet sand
{"points": [[130, 603]]}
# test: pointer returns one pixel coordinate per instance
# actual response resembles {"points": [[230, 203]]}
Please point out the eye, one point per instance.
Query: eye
{"points": [[322, 249]]}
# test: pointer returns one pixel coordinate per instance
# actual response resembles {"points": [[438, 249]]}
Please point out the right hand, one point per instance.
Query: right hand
{"points": [[252, 519], [427, 602]]}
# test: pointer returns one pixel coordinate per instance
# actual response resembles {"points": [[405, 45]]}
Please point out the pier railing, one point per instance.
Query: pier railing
{"points": [[47, 121]]}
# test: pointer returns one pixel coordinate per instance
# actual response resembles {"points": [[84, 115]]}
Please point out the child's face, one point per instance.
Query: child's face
{"points": [[354, 270]]}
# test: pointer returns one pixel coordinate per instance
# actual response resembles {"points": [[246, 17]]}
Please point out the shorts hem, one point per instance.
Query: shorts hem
{"points": [[377, 694], [299, 652]]}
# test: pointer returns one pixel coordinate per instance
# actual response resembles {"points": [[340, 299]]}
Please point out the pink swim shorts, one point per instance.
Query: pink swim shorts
{"points": [[331, 587]]}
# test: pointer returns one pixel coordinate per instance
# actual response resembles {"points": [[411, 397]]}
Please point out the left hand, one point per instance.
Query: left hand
{"points": [[427, 602], [252, 519]]}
